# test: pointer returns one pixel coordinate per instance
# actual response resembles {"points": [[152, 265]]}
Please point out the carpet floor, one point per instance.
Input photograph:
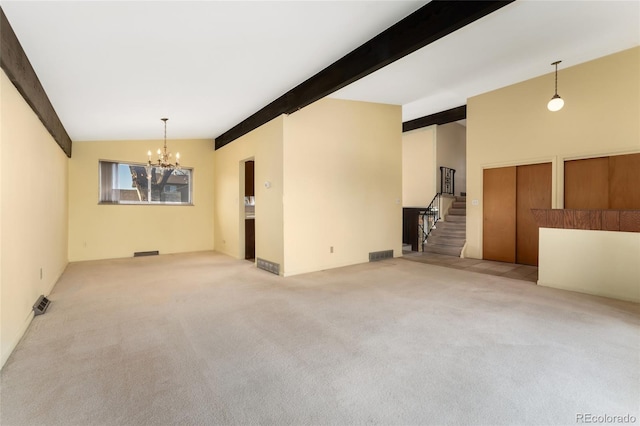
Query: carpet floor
{"points": [[490, 267], [201, 339]]}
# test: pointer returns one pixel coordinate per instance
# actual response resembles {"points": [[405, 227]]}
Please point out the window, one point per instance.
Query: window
{"points": [[128, 183]]}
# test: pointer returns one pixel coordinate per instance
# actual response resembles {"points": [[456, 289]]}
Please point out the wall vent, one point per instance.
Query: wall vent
{"points": [[146, 253], [41, 305], [272, 267], [379, 255]]}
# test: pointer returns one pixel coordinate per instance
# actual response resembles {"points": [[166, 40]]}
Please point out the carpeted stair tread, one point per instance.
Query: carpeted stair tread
{"points": [[447, 227], [455, 218], [447, 240], [443, 249]]}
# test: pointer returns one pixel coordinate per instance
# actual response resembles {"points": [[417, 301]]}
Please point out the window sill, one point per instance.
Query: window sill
{"points": [[133, 203]]}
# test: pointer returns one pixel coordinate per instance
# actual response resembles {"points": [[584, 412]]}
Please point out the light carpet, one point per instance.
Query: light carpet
{"points": [[201, 338]]}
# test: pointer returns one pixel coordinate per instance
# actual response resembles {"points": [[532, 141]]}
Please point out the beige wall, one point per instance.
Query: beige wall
{"points": [[112, 231], [512, 126], [33, 214], [342, 184], [594, 262], [419, 167], [264, 146], [451, 152]]}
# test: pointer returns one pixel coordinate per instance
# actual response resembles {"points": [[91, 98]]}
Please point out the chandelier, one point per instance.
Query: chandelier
{"points": [[164, 157]]}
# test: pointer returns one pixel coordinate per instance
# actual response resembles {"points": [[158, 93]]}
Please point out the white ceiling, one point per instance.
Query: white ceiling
{"points": [[513, 44], [113, 69]]}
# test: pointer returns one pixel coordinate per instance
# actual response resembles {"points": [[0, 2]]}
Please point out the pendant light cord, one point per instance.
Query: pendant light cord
{"points": [[556, 64]]}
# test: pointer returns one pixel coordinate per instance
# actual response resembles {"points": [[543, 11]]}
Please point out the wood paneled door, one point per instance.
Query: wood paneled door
{"points": [[499, 214], [586, 184], [510, 232], [533, 191], [603, 183], [624, 182]]}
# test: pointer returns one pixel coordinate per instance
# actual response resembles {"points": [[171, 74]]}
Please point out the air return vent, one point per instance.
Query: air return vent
{"points": [[379, 255], [146, 253], [41, 305], [274, 268]]}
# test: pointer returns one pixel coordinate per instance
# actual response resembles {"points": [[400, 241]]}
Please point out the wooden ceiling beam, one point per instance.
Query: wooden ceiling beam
{"points": [[444, 117], [431, 22], [16, 65]]}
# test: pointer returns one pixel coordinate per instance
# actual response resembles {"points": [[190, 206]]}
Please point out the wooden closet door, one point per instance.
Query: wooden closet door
{"points": [[533, 191], [586, 184], [624, 182], [499, 214]]}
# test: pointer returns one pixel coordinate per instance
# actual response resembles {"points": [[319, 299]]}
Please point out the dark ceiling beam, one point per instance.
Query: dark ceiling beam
{"points": [[431, 22], [444, 117], [16, 65]]}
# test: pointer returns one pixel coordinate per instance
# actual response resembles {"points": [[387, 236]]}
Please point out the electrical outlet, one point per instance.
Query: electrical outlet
{"points": [[331, 249]]}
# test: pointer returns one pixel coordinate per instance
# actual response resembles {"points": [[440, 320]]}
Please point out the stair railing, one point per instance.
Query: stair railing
{"points": [[447, 181], [428, 219]]}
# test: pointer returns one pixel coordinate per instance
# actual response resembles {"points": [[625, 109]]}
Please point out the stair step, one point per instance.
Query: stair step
{"points": [[446, 240], [448, 234], [458, 212], [455, 218], [462, 199], [459, 205], [449, 229], [451, 226], [441, 249]]}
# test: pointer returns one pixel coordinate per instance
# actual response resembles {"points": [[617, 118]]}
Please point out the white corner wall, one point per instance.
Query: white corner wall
{"points": [[33, 214], [342, 184], [419, 170], [602, 263]]}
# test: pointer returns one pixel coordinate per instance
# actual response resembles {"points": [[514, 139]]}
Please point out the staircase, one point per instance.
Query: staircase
{"points": [[449, 235]]}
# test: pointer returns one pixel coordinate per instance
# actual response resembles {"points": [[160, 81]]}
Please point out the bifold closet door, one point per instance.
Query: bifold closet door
{"points": [[533, 191], [499, 212]]}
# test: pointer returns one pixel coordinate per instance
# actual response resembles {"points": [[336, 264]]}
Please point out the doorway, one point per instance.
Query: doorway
{"points": [[249, 211], [510, 232]]}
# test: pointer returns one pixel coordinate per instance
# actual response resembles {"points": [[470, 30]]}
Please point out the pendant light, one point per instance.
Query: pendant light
{"points": [[556, 103]]}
